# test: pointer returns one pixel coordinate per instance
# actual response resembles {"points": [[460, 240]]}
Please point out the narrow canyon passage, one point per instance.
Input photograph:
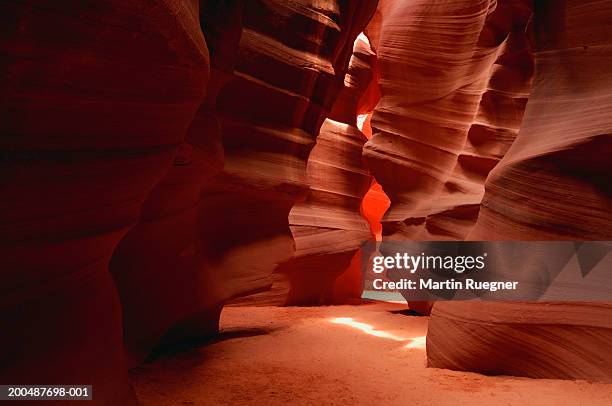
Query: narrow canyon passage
{"points": [[334, 355], [216, 202]]}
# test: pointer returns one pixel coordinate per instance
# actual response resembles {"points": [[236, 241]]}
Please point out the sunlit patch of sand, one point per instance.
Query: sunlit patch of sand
{"points": [[295, 355]]}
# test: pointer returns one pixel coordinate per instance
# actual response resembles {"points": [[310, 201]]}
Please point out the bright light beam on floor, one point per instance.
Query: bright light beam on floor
{"points": [[417, 342], [414, 342]]}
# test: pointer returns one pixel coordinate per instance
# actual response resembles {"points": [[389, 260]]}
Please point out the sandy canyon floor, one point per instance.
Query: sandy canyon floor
{"points": [[338, 355]]}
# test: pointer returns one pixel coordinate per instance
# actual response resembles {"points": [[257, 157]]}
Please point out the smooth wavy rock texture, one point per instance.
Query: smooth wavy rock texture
{"points": [[193, 257], [453, 213], [327, 226], [454, 81], [96, 100], [180, 300], [175, 304], [554, 181], [551, 184], [284, 64], [538, 340], [437, 61]]}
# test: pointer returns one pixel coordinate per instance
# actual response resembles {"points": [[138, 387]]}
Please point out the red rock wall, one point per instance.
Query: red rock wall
{"points": [[375, 202], [284, 64], [453, 213], [180, 299], [441, 84], [157, 267], [452, 99], [120, 152], [553, 183], [96, 99], [206, 234], [327, 226]]}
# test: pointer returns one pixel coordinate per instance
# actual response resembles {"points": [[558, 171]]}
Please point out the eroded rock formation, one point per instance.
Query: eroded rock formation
{"points": [[437, 129], [453, 213], [98, 103], [127, 147], [283, 76], [328, 226], [452, 100], [208, 233], [552, 340], [161, 277], [96, 100], [551, 184]]}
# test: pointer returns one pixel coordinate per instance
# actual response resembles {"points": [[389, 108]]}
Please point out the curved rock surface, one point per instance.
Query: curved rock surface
{"points": [[126, 146], [442, 85], [327, 225], [551, 340], [206, 234], [551, 184], [284, 65], [157, 268], [453, 213], [94, 143], [452, 100], [96, 100]]}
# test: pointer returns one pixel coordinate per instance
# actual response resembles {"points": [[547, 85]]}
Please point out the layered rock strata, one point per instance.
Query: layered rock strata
{"points": [[96, 100], [206, 234], [283, 64], [327, 226], [537, 340], [551, 184], [453, 213], [452, 99], [437, 131]]}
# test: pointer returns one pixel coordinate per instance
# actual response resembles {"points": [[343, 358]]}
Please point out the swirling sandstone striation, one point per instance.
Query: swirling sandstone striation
{"points": [[453, 214], [538, 340], [164, 279], [187, 245], [551, 184], [327, 226], [554, 181], [283, 64], [96, 100], [159, 273], [454, 81], [435, 136]]}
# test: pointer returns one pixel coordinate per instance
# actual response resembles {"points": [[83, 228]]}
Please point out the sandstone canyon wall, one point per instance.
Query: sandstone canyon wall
{"points": [[96, 99], [212, 230], [155, 163], [283, 77], [328, 226], [552, 184], [118, 150], [437, 130], [455, 77]]}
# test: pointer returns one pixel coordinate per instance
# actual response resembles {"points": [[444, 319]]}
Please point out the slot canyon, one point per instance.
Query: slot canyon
{"points": [[186, 187]]}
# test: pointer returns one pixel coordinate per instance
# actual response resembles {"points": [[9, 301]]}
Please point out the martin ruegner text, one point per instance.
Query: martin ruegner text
{"points": [[450, 284]]}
